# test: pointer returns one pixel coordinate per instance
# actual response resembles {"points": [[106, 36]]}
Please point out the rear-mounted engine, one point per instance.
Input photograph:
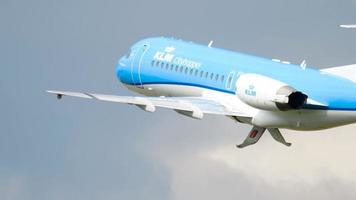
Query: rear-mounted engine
{"points": [[269, 94]]}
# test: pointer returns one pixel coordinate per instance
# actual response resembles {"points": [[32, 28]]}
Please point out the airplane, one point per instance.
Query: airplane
{"points": [[268, 94]]}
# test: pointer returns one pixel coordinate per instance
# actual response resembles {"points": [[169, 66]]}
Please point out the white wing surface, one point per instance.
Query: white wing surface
{"points": [[348, 26], [194, 107]]}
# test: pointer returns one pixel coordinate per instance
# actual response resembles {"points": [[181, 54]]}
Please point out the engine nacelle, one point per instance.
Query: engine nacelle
{"points": [[268, 94]]}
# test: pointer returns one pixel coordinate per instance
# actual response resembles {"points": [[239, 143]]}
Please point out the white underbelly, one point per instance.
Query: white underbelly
{"points": [[296, 120], [304, 119]]}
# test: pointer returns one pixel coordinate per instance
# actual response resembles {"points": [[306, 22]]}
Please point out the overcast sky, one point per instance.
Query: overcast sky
{"points": [[80, 149]]}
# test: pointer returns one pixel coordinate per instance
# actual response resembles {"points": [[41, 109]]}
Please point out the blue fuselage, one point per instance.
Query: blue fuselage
{"points": [[175, 62]]}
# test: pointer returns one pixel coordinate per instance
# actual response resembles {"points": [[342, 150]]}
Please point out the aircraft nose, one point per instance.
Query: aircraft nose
{"points": [[122, 61], [121, 66]]}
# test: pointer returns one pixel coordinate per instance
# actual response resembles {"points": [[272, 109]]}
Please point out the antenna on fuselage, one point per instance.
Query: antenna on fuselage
{"points": [[210, 43], [303, 65]]}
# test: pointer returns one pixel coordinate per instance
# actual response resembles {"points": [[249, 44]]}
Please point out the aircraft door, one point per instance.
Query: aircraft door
{"points": [[137, 64], [230, 80]]}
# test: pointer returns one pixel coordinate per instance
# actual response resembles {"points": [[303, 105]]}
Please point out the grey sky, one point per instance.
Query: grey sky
{"points": [[78, 149]]}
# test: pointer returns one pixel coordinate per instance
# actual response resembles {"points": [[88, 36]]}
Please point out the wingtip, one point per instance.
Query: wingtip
{"points": [[50, 91], [58, 94]]}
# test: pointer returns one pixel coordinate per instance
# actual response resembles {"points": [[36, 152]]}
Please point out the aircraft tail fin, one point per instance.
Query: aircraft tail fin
{"points": [[347, 71]]}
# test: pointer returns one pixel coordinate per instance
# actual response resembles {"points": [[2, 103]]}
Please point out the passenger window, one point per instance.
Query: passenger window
{"points": [[196, 72], [206, 74], [216, 77], [191, 71], [177, 68], [162, 65], [181, 69], [172, 66], [211, 76], [152, 63], [201, 74], [186, 70], [167, 66], [229, 81], [222, 78], [157, 63], [129, 54]]}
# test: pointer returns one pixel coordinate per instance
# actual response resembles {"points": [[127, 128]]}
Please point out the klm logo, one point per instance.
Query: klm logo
{"points": [[165, 56], [169, 49], [250, 91], [168, 56]]}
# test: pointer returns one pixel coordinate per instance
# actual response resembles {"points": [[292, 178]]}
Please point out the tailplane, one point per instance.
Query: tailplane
{"points": [[347, 71]]}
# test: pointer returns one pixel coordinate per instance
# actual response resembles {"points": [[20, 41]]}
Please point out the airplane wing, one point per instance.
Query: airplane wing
{"points": [[194, 107], [348, 26]]}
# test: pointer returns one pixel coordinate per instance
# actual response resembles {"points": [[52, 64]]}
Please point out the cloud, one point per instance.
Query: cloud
{"points": [[12, 187], [311, 157], [318, 165]]}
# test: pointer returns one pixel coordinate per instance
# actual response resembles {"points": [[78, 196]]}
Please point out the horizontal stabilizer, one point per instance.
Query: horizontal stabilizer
{"points": [[347, 71]]}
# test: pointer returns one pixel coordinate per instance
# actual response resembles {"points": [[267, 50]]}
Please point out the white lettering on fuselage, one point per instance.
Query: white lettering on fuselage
{"points": [[186, 62], [162, 56], [167, 56]]}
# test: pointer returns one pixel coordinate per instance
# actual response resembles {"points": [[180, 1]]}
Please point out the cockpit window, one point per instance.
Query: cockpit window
{"points": [[129, 54]]}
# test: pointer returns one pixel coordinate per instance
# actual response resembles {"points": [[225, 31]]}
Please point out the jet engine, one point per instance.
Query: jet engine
{"points": [[268, 94]]}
